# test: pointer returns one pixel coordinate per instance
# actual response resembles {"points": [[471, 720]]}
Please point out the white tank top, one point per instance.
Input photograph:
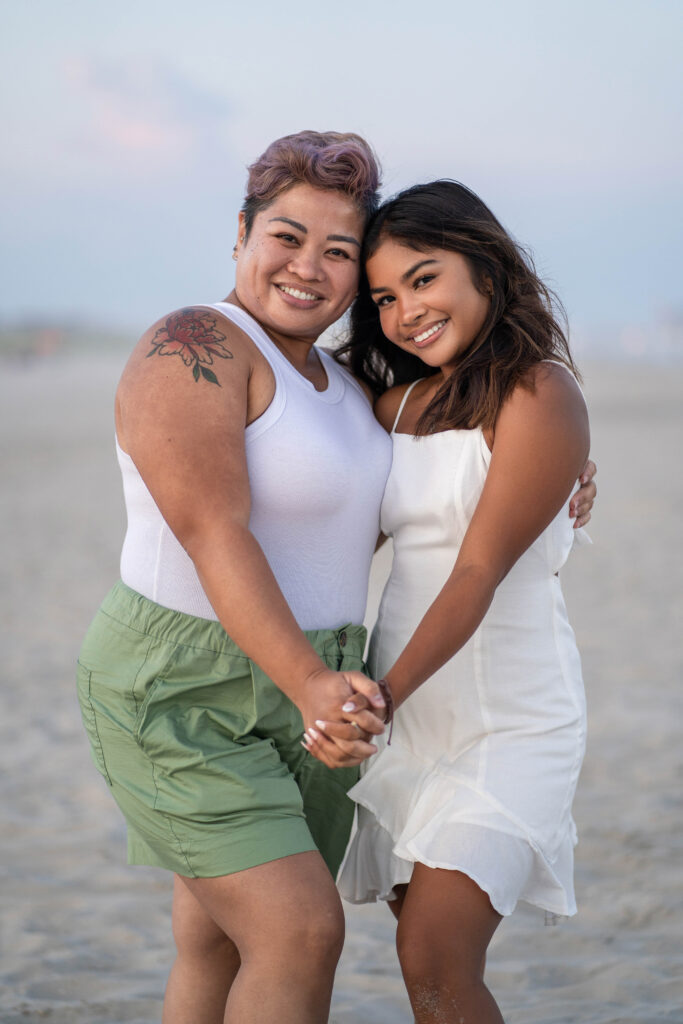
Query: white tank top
{"points": [[317, 463]]}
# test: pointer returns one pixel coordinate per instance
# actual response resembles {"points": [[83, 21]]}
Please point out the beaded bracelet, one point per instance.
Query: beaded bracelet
{"points": [[385, 690]]}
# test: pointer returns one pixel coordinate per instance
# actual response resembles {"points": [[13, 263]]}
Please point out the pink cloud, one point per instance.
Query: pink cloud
{"points": [[142, 114]]}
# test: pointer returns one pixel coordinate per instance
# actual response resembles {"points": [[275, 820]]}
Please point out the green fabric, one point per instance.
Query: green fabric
{"points": [[202, 752]]}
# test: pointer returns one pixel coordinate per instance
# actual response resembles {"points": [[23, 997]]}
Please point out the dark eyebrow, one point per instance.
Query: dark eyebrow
{"points": [[330, 238], [409, 273], [294, 223], [343, 238]]}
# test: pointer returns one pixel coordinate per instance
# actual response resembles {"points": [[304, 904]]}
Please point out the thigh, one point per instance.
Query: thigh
{"points": [[279, 909], [447, 914], [396, 905], [194, 929]]}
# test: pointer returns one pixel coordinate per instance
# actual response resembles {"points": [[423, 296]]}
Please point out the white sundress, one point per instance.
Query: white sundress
{"points": [[485, 755]]}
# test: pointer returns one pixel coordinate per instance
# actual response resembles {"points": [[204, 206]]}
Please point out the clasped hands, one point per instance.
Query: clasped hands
{"points": [[343, 712]]}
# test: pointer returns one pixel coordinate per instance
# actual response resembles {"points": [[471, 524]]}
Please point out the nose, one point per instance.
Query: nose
{"points": [[410, 309], [306, 264]]}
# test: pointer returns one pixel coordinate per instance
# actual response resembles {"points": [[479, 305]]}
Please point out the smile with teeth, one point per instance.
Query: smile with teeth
{"points": [[419, 338], [296, 293]]}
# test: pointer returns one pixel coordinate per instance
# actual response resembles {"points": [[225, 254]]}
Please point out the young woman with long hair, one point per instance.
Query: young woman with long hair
{"points": [[468, 809]]}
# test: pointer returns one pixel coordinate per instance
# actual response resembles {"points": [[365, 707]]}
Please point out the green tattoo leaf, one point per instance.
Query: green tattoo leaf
{"points": [[209, 375]]}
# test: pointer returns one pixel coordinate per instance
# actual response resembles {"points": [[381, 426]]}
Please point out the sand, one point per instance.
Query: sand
{"points": [[86, 940]]}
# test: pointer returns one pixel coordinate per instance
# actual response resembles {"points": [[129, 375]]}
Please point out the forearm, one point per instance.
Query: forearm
{"points": [[250, 606], [447, 625]]}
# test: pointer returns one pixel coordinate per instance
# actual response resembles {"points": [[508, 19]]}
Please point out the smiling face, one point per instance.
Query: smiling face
{"points": [[428, 303], [297, 271]]}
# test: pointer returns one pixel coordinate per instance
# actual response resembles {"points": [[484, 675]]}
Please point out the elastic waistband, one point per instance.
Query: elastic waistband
{"points": [[130, 608]]}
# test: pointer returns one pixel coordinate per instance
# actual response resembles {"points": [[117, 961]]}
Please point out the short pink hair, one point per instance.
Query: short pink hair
{"points": [[338, 161]]}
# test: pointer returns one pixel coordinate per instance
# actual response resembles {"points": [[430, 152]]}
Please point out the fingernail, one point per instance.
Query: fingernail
{"points": [[349, 706], [320, 724], [377, 701], [312, 733]]}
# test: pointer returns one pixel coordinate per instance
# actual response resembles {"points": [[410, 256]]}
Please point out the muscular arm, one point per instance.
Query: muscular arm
{"points": [[541, 444], [184, 430]]}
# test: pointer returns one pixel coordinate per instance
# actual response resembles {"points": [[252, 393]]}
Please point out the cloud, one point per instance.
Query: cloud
{"points": [[143, 117]]}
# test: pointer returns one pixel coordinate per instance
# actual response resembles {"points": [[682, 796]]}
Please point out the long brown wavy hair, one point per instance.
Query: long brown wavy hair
{"points": [[526, 322]]}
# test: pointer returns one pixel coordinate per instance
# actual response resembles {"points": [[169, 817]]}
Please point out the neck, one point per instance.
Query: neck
{"points": [[298, 350]]}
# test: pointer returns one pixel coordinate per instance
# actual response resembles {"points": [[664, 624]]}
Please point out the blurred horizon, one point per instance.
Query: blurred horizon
{"points": [[128, 132], [659, 343]]}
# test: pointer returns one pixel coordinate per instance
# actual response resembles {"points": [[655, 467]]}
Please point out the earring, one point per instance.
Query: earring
{"points": [[234, 252]]}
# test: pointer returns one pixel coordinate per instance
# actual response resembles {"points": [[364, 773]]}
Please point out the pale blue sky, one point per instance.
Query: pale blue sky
{"points": [[128, 127]]}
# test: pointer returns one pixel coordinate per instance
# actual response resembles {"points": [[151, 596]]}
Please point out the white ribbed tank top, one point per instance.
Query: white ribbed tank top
{"points": [[317, 463]]}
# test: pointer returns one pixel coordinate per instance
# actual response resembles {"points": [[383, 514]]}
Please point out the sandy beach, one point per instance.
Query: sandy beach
{"points": [[86, 940]]}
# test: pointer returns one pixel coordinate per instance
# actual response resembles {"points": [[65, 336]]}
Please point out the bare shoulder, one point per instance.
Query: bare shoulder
{"points": [[551, 385], [387, 405], [198, 336], [555, 375], [548, 404], [189, 359]]}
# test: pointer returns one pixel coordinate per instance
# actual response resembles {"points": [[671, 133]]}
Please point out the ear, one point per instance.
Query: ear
{"points": [[241, 230], [487, 285]]}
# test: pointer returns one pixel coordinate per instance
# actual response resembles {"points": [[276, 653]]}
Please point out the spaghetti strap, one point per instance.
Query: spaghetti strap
{"points": [[403, 402], [558, 362]]}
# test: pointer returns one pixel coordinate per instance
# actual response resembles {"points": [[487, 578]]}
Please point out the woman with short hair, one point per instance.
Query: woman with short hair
{"points": [[253, 469]]}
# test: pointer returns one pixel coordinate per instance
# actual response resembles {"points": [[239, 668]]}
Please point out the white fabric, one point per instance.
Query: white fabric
{"points": [[317, 464], [485, 756]]}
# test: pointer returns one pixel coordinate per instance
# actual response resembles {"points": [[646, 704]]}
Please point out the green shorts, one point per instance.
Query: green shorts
{"points": [[202, 752]]}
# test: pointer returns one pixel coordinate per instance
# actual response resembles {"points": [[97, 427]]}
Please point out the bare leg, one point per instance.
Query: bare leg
{"points": [[396, 904], [287, 925], [205, 967], [445, 926]]}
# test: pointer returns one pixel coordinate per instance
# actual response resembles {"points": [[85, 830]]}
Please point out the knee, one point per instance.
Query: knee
{"points": [[320, 937], [429, 964], [301, 943], [415, 954]]}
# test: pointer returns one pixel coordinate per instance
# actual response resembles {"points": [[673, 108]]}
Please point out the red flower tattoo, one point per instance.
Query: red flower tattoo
{"points": [[195, 338]]}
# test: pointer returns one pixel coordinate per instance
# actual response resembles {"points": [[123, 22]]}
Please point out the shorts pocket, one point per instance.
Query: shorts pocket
{"points": [[143, 712], [84, 680]]}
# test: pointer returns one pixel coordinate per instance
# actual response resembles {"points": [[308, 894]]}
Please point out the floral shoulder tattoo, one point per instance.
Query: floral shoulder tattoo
{"points": [[192, 335]]}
